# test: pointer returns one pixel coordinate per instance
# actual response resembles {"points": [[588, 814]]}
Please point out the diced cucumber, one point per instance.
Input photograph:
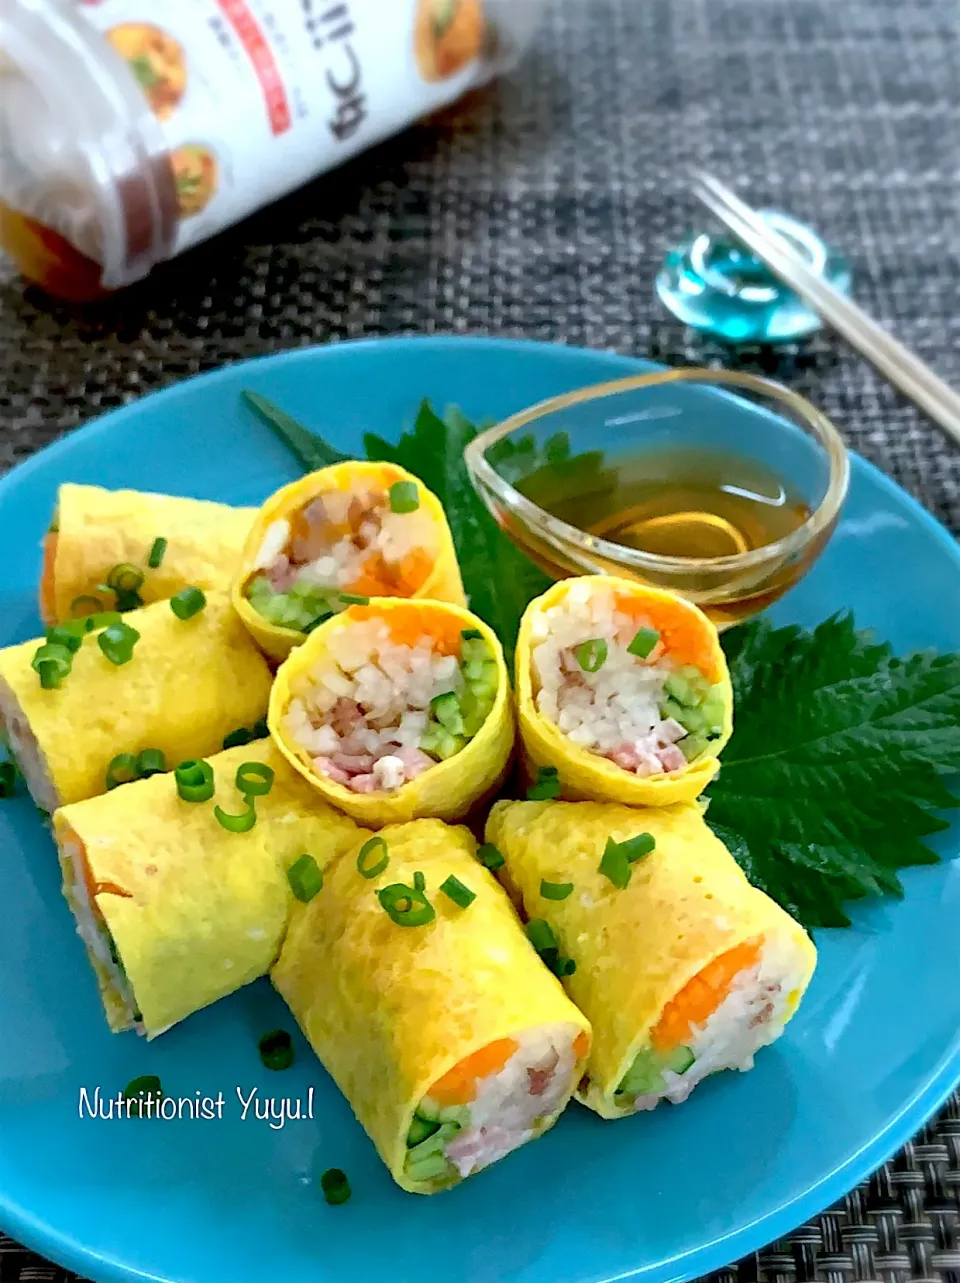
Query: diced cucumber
{"points": [[645, 1076], [446, 709], [680, 1059], [440, 743], [432, 1112], [420, 1130], [670, 708], [434, 1143], [692, 746], [679, 688], [713, 710], [473, 650], [475, 711], [429, 1168]]}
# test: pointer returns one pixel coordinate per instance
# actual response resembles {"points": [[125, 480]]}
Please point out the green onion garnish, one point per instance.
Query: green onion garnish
{"points": [[555, 890], [373, 857], [419, 881], [195, 781], [306, 878], [8, 779], [117, 642], [124, 581], [237, 738], [645, 639], [404, 496], [490, 857], [353, 599], [85, 605], [188, 602], [142, 1088], [406, 906], [546, 787], [592, 655], [615, 864], [260, 729], [52, 663], [241, 823], [540, 935], [563, 966], [122, 770], [637, 847], [151, 762], [454, 890], [471, 634], [157, 550], [335, 1186], [68, 635], [276, 1050], [254, 779]]}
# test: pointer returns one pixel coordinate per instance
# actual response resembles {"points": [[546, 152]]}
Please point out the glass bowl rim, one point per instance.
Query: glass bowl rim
{"points": [[561, 534]]}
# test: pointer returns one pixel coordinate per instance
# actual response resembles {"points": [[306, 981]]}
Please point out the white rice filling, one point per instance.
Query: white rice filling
{"points": [[23, 745], [361, 711], [516, 1104], [374, 530], [752, 1015], [615, 711]]}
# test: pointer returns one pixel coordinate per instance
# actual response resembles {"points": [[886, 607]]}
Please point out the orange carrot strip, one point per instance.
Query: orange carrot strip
{"points": [[409, 621], [700, 997], [581, 1044], [459, 1085], [682, 633]]}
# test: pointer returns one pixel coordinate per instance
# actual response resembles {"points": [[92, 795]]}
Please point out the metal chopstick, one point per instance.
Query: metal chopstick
{"points": [[896, 362]]}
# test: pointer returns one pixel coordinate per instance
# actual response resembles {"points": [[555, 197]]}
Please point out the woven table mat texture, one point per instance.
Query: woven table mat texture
{"points": [[542, 209]]}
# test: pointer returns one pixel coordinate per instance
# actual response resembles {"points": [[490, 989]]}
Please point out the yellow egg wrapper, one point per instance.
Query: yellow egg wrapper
{"points": [[687, 903], [442, 584], [391, 1009], [586, 775]]}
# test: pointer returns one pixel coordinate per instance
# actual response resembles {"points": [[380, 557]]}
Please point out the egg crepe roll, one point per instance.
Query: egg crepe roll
{"points": [[429, 1008], [360, 529], [95, 530], [188, 684], [397, 710], [175, 911], [682, 967], [623, 690]]}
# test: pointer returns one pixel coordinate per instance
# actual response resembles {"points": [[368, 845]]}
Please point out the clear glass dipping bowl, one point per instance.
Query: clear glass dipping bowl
{"points": [[712, 411]]}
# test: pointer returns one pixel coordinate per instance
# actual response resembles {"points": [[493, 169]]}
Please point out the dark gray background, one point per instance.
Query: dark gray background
{"points": [[542, 210]]}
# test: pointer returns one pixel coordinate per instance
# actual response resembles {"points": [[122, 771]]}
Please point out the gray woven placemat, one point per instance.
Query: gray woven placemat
{"points": [[542, 210]]}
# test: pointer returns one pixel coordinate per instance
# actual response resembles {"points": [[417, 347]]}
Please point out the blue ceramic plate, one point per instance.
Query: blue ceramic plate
{"points": [[873, 1051]]}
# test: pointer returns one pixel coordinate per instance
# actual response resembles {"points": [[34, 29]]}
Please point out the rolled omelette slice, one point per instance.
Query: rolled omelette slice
{"points": [[682, 967], [189, 683], [397, 710], [175, 911], [93, 531], [451, 1041], [623, 690], [360, 529]]}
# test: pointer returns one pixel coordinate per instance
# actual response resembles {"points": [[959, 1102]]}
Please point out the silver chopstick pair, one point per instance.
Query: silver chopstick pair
{"points": [[897, 363]]}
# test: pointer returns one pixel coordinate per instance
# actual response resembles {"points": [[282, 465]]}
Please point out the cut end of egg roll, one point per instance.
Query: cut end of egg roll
{"points": [[397, 710], [174, 910], [95, 530], [624, 690], [451, 1041], [682, 967], [353, 530]]}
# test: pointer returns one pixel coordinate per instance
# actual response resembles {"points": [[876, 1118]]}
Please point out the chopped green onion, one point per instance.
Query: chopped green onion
{"points": [[8, 779], [188, 602], [615, 864], [122, 770], [276, 1050], [373, 857], [157, 550], [125, 578], [306, 878], [490, 857], [404, 496], [471, 634], [85, 605], [68, 635], [117, 642], [540, 935], [254, 779], [421, 1129], [454, 890], [195, 781], [419, 881], [637, 847], [644, 641], [52, 663], [335, 1186], [555, 890], [260, 729], [141, 1089], [406, 906], [446, 709], [151, 762], [241, 823], [237, 738], [546, 787], [592, 655], [563, 966], [353, 599]]}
